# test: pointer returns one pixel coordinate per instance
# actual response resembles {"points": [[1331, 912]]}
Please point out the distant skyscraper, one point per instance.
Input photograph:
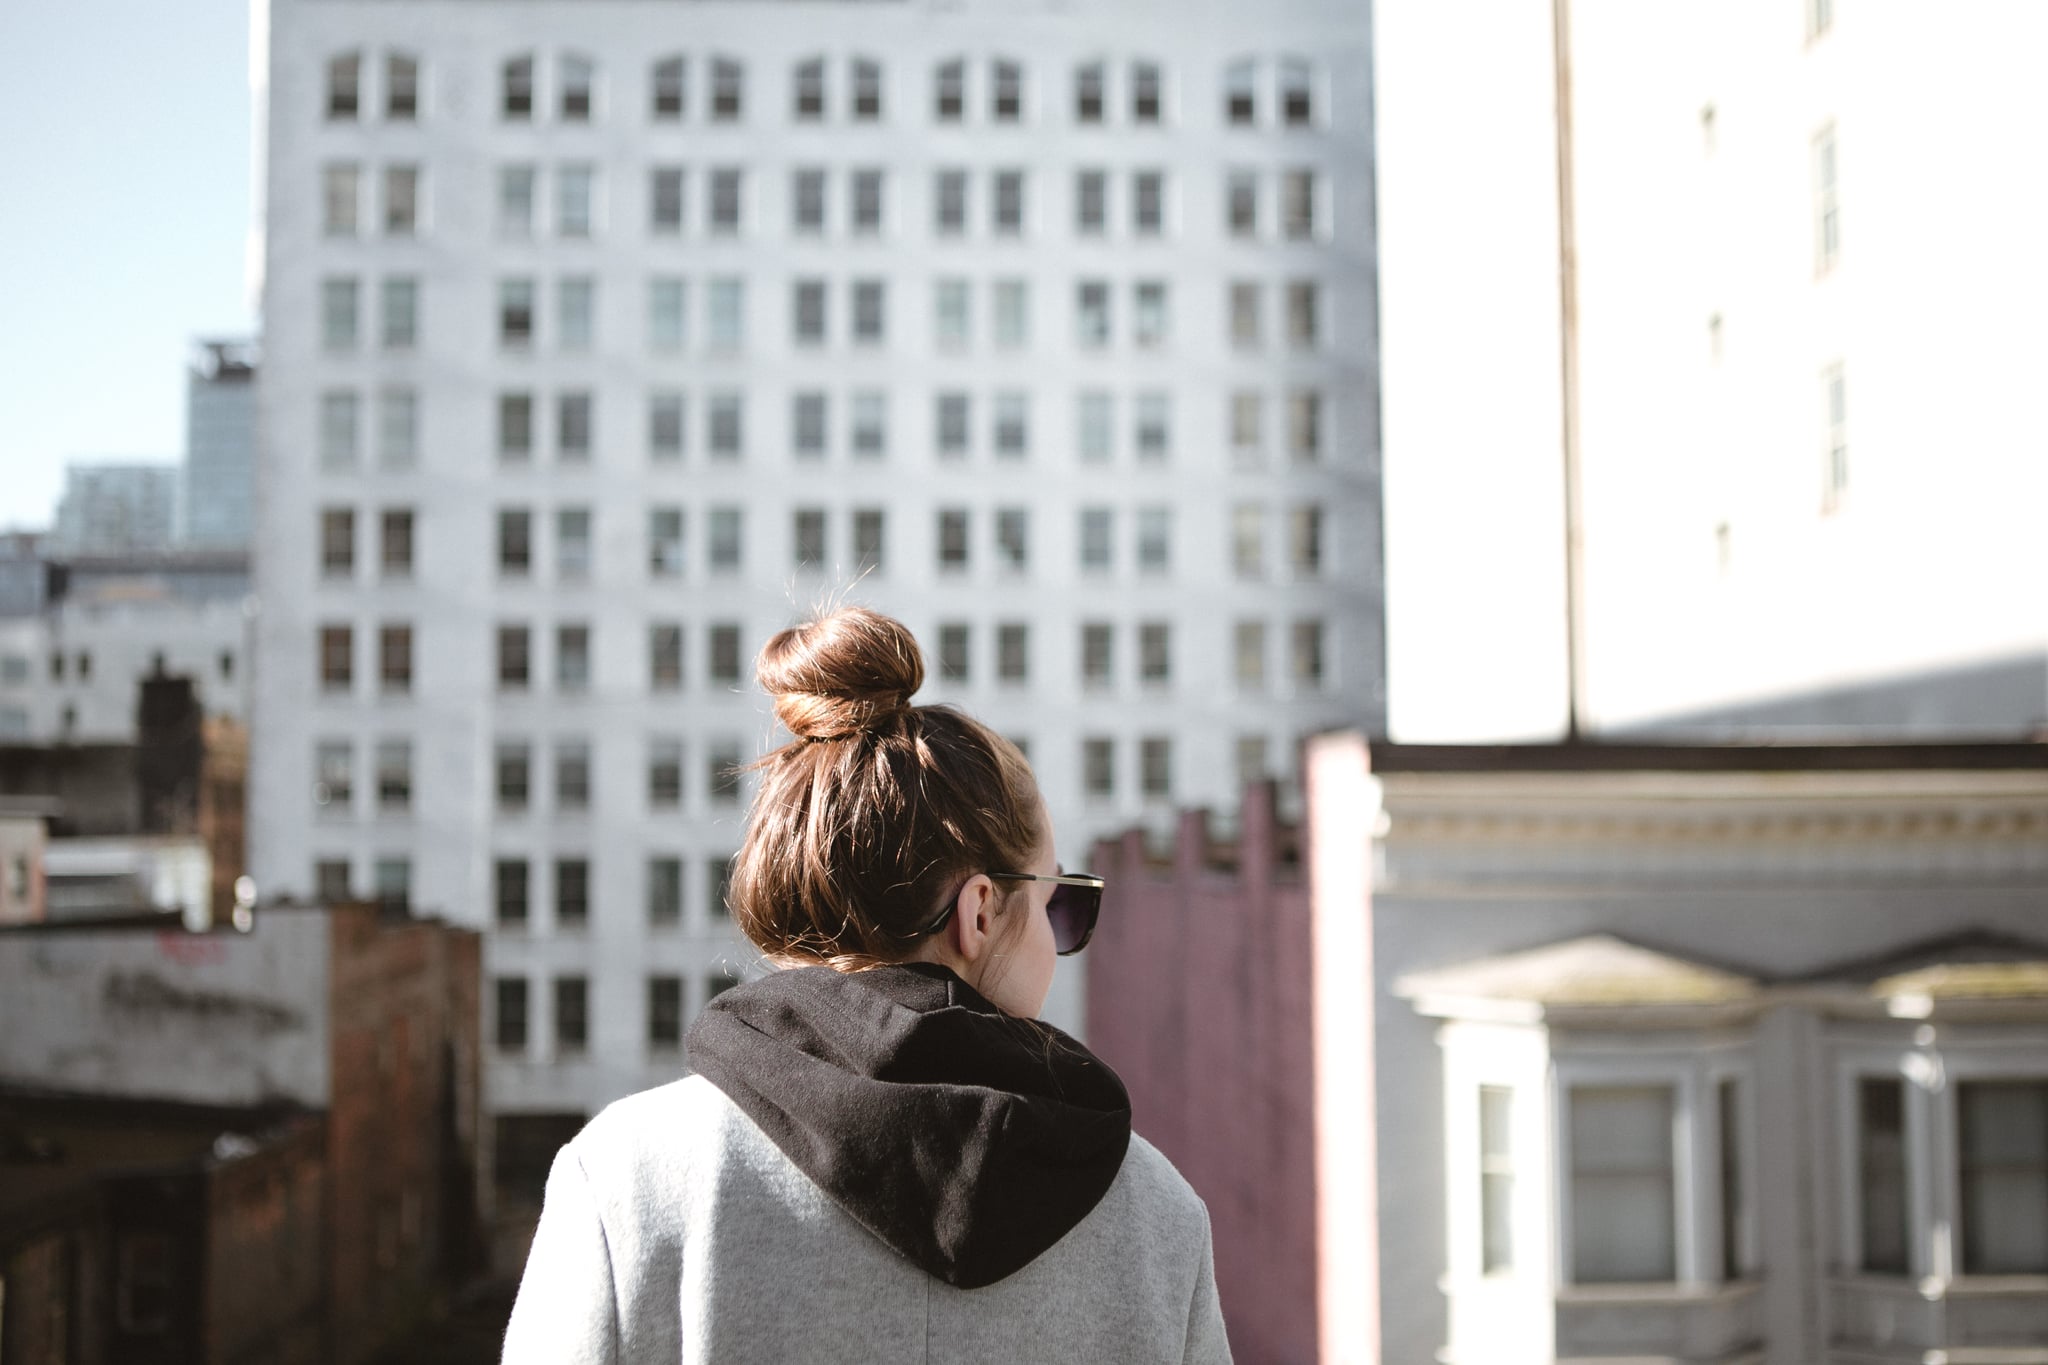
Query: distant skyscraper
{"points": [[111, 509], [220, 446]]}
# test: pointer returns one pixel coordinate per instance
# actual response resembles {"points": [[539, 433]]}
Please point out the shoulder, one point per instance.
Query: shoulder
{"points": [[1157, 1192], [654, 1144], [651, 1118]]}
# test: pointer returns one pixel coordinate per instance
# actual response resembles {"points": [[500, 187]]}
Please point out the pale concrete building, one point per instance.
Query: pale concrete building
{"points": [[602, 341], [1797, 329]]}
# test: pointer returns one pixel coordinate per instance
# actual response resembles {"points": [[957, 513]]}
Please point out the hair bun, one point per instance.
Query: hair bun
{"points": [[841, 673]]}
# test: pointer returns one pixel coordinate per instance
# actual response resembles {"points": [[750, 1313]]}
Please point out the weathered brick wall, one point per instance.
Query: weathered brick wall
{"points": [[1199, 996], [265, 1248]]}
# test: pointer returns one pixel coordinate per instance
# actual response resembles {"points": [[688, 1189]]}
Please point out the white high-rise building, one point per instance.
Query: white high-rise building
{"points": [[603, 340]]}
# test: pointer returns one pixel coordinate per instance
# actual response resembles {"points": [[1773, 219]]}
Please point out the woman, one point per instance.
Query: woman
{"points": [[882, 1154]]}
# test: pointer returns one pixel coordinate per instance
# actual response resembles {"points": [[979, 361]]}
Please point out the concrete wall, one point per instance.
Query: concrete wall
{"points": [[22, 841]]}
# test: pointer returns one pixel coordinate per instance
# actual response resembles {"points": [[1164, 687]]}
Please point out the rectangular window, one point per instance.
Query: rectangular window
{"points": [[572, 775], [579, 80], [515, 427], [575, 312], [1305, 540], [664, 774], [1248, 649], [512, 764], [664, 1013], [1013, 538], [338, 310], [807, 536], [1247, 426], [337, 542], [1245, 311], [1148, 203], [516, 91], [339, 411], [866, 105], [398, 427], [515, 314], [510, 878], [515, 542], [665, 542], [572, 544], [1297, 93], [572, 657], [1240, 94], [1094, 539], [1098, 767], [728, 90], [340, 195], [1155, 539], [953, 424], [722, 774], [516, 195], [1308, 647], [953, 651], [807, 201], [1090, 95], [667, 309], [511, 1023], [1734, 1194], [574, 192], [1623, 1189], [401, 200], [949, 92], [1012, 309], [1091, 314], [1098, 661], [2003, 1137], [1091, 203], [391, 883], [867, 202], [1304, 315], [1241, 204], [1881, 1166], [1095, 423], [718, 905], [1496, 1180], [1253, 762], [728, 194], [665, 425], [671, 84], [572, 1013], [665, 203], [664, 891], [1305, 424], [723, 653], [1155, 652], [394, 775], [344, 86], [334, 764], [1827, 218], [1012, 424], [869, 530], [515, 658], [808, 91], [726, 415], [1155, 767], [951, 321], [1013, 652], [1147, 92], [1835, 471], [809, 420], [870, 434], [952, 538], [664, 656], [1298, 204], [394, 557], [1149, 315], [723, 532], [949, 203], [725, 314], [1153, 410], [807, 312], [1006, 218], [870, 312], [394, 659], [1006, 92]]}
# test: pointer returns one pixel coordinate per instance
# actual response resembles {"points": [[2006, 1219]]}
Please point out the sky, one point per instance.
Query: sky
{"points": [[124, 153]]}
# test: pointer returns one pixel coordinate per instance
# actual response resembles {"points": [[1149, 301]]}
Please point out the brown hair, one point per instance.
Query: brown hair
{"points": [[872, 816]]}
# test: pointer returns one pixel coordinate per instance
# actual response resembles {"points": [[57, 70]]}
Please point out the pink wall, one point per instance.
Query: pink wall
{"points": [[1199, 995]]}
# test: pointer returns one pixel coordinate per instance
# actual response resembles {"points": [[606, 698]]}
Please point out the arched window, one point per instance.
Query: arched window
{"points": [[579, 81], [401, 87], [1241, 93], [1297, 92], [344, 85], [1148, 92], [867, 90], [807, 93], [515, 99], [669, 88], [1006, 92], [949, 91], [728, 90], [1091, 98]]}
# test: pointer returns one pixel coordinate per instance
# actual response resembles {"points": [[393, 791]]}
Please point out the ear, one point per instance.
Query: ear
{"points": [[972, 928]]}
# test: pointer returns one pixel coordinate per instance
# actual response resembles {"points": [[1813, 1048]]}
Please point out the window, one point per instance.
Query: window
{"points": [[1006, 218], [572, 1013], [664, 1012], [1148, 203], [1835, 487], [398, 423], [510, 878], [664, 656], [952, 539], [2003, 1176], [394, 659], [1297, 93], [1247, 426], [1012, 314], [724, 653], [401, 200], [1308, 655], [572, 544], [515, 658], [574, 191], [1304, 315], [517, 193], [667, 304], [808, 421], [515, 427], [1245, 310], [1013, 538], [1298, 204], [1153, 434], [334, 764], [728, 90], [717, 904], [724, 527], [1090, 92], [515, 542], [1097, 653], [511, 1001], [953, 651], [575, 312], [1252, 762], [1095, 438], [1006, 92], [1095, 539], [1149, 315], [664, 774], [337, 658], [950, 313], [1091, 203], [807, 312], [515, 313], [330, 880], [665, 200], [340, 193], [726, 309], [728, 187], [870, 312], [1013, 424], [665, 542], [1496, 1180], [579, 79], [807, 201], [867, 202], [572, 774], [395, 542], [949, 203], [513, 774], [1241, 204], [1013, 652], [1248, 641], [1305, 424], [807, 537], [664, 891], [1091, 314], [1155, 539], [394, 775], [665, 425], [807, 91], [1240, 94], [572, 657], [867, 90], [949, 91], [1155, 652], [723, 774], [1622, 1185], [869, 530], [1098, 767], [401, 296], [1147, 92], [1305, 540], [1734, 1195], [572, 893], [1155, 767], [515, 97], [338, 310], [952, 425], [669, 87], [344, 85], [1883, 1199], [337, 542], [573, 418], [870, 434]]}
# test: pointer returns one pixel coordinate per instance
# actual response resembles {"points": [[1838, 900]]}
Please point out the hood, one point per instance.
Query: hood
{"points": [[966, 1140]]}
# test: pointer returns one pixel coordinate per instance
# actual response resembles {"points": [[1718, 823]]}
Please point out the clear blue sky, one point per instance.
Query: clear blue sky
{"points": [[124, 217]]}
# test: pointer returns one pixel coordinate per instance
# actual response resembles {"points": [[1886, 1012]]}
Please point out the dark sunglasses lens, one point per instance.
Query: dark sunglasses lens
{"points": [[1072, 911]]}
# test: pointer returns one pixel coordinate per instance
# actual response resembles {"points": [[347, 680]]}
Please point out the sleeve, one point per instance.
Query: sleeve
{"points": [[567, 1309], [1207, 1343]]}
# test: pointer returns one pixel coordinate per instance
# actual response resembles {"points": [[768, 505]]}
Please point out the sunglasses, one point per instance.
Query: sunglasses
{"points": [[1076, 901]]}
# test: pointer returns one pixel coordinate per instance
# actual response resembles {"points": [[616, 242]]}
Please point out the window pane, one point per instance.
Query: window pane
{"points": [[1882, 1166], [1496, 1179], [1622, 1187], [2004, 1141]]}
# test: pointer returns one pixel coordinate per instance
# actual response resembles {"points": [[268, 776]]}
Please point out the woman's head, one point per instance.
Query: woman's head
{"points": [[879, 815]]}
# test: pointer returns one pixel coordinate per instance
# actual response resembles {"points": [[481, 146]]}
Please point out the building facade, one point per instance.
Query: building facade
{"points": [[600, 344], [116, 509], [218, 486]]}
